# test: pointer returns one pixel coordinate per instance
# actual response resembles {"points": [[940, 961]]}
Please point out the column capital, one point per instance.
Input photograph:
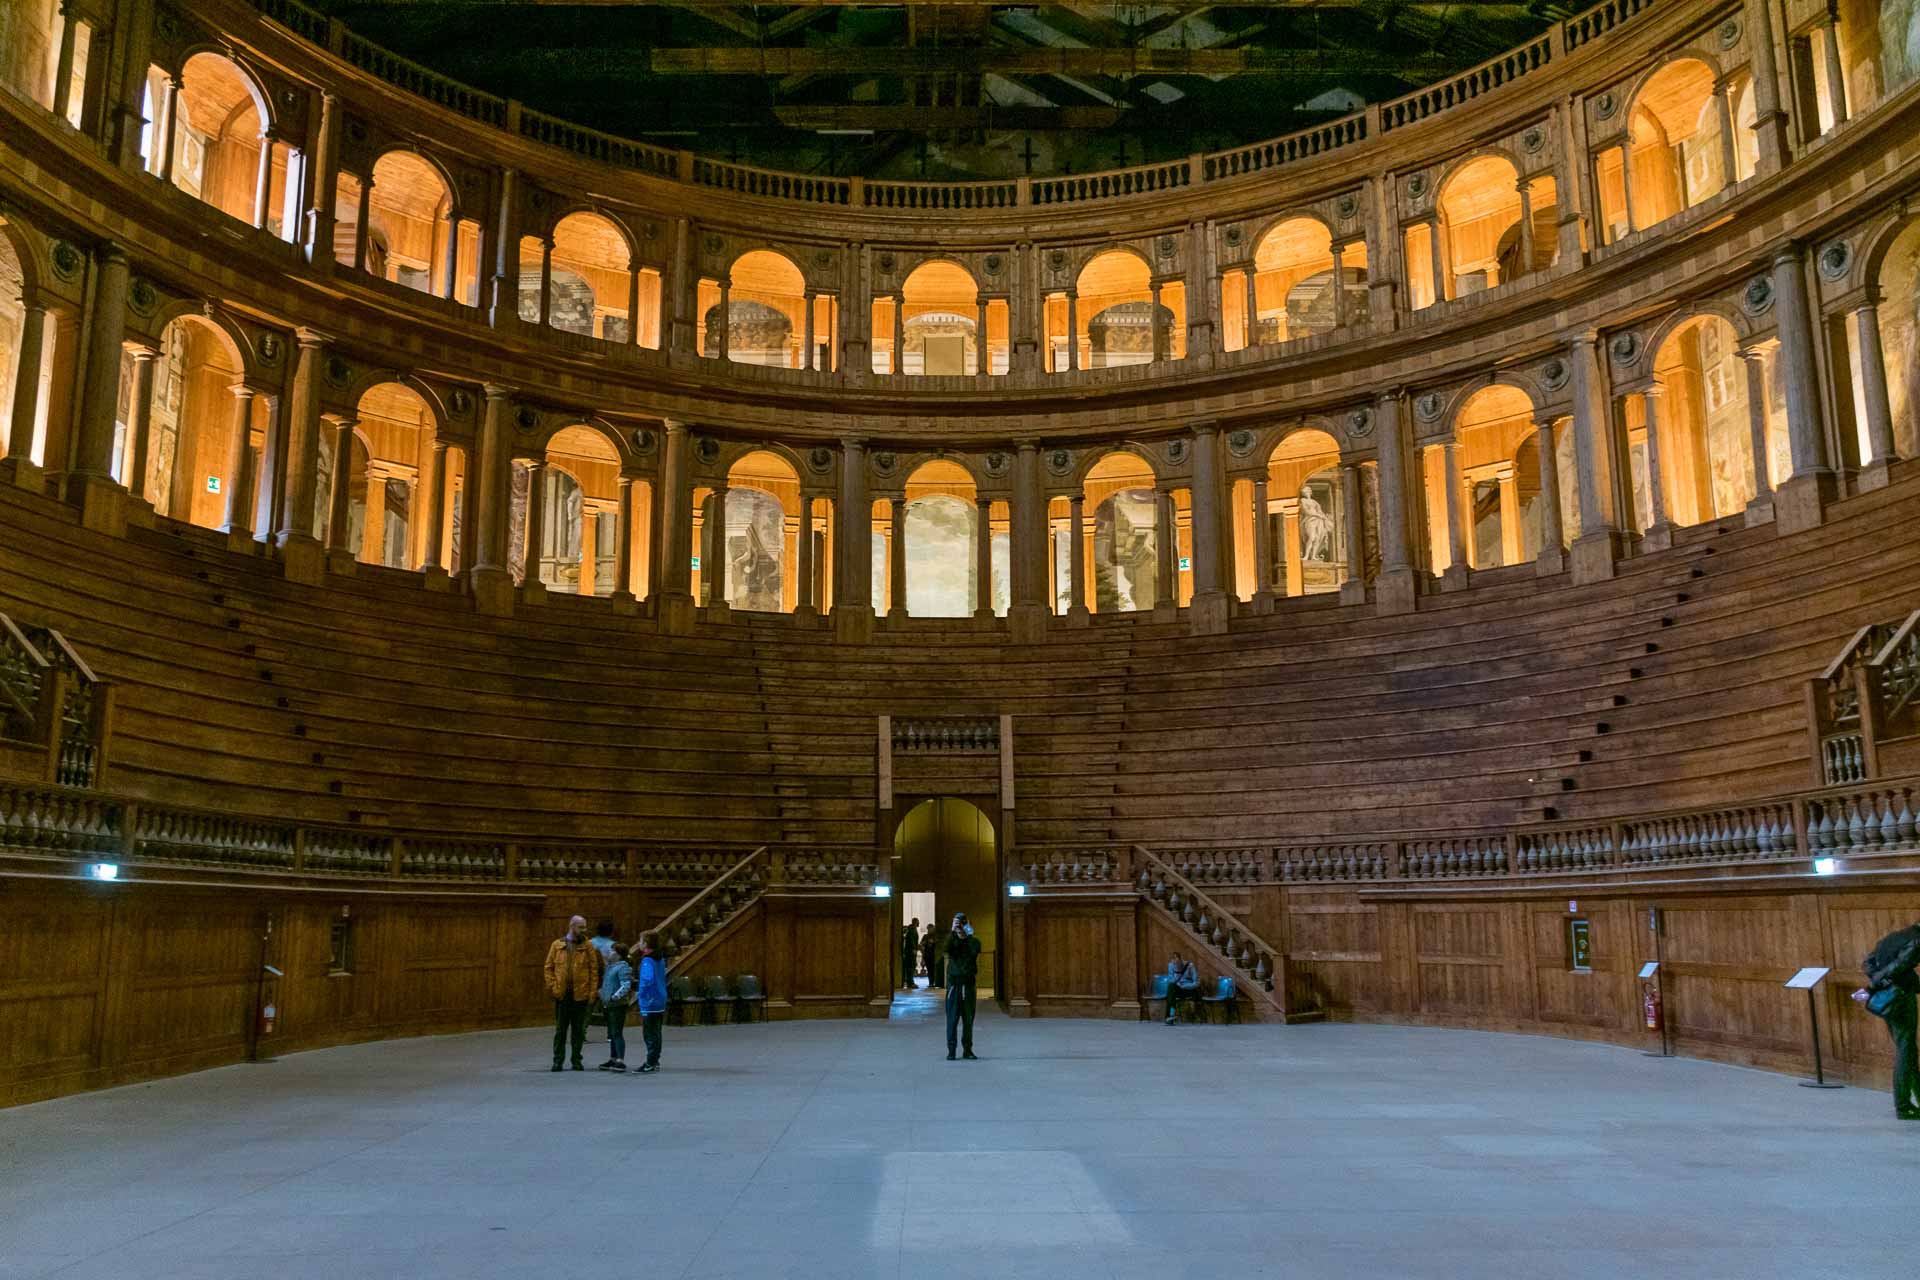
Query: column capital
{"points": [[1388, 396], [1789, 253], [493, 391], [112, 251], [312, 339], [1207, 428], [439, 446], [1654, 389], [673, 426], [1869, 299], [238, 388], [1026, 446]]}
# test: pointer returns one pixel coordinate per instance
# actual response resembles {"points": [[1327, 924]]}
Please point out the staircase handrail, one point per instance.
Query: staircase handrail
{"points": [[708, 909], [1896, 667], [1242, 948]]}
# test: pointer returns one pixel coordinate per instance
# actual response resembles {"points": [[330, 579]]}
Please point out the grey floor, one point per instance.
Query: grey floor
{"points": [[853, 1149]]}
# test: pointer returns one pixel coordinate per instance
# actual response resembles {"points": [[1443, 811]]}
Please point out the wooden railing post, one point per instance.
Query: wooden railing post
{"points": [[1800, 843]]}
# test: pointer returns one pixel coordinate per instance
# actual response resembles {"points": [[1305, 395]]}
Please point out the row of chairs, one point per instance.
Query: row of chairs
{"points": [[1224, 999], [704, 999]]}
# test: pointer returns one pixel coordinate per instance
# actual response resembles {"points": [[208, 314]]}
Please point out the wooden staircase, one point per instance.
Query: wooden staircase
{"points": [[709, 916], [1259, 969]]}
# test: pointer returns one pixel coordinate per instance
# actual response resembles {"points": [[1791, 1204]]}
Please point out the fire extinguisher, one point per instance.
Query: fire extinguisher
{"points": [[1650, 999], [266, 1019]]}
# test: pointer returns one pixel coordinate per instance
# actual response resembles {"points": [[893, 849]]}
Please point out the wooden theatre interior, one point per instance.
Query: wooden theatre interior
{"points": [[1424, 568]]}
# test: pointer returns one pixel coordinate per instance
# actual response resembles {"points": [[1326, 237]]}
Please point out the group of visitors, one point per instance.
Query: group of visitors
{"points": [[585, 974], [923, 953]]}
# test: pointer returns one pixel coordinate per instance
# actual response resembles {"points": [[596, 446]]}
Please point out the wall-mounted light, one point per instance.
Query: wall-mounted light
{"points": [[883, 891], [1016, 891], [1826, 866], [104, 870]]}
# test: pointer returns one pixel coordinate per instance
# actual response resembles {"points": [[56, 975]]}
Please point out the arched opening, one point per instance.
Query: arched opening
{"points": [[218, 143], [30, 47], [342, 521], [1121, 567], [1493, 227], [13, 317], [1677, 151], [591, 278], [1899, 317], [1499, 478], [1294, 293], [758, 544], [1111, 318], [398, 428], [942, 541], [764, 319], [947, 847], [412, 236], [573, 543], [939, 326], [1305, 520], [1703, 425], [175, 451]]}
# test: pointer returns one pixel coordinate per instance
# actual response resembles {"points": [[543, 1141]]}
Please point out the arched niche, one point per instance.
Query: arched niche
{"points": [[190, 422], [1121, 537], [1294, 294], [217, 137], [1674, 148], [593, 255], [765, 319], [939, 326], [409, 222], [1899, 315], [1111, 279], [759, 541], [1704, 425], [1479, 213], [942, 547], [1305, 516], [581, 523], [1499, 490], [397, 426]]}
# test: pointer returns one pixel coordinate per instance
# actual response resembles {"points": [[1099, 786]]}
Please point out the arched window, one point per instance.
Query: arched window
{"points": [[398, 427], [579, 526], [942, 542], [410, 225], [1294, 291], [1674, 154], [1305, 519], [1122, 571], [1899, 316], [939, 323], [765, 318], [758, 539], [1703, 424], [591, 278], [1112, 317], [1495, 486], [217, 141], [189, 423]]}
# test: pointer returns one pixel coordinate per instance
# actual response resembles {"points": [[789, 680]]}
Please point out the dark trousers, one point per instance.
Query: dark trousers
{"points": [[650, 1032], [1903, 1024], [617, 1032], [1175, 995], [907, 967], [960, 1002], [569, 1019]]}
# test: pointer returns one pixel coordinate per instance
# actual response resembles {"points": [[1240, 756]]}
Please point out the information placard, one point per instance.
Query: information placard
{"points": [[1650, 968], [1807, 979]]}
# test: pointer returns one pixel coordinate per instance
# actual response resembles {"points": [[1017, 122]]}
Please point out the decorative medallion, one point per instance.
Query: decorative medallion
{"points": [[1835, 259], [644, 441], [993, 264], [1730, 33], [819, 459], [885, 263], [1417, 185], [1605, 105], [1427, 407], [1533, 139], [469, 181], [1234, 234], [269, 349], [649, 231], [526, 417], [1164, 246], [1060, 461], [461, 402], [1057, 260], [537, 199], [1176, 451], [1625, 348], [706, 449], [712, 243], [67, 261], [1757, 298], [289, 99], [884, 462], [142, 296], [339, 372], [997, 463], [823, 259], [1347, 206], [1240, 443], [356, 129], [1553, 374], [1360, 423]]}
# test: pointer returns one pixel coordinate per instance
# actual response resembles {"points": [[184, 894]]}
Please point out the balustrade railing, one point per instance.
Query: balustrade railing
{"points": [[706, 911], [771, 183], [1467, 86], [946, 733], [1140, 180], [812, 866], [1378, 860], [939, 195], [1216, 927], [423, 82], [622, 153], [1078, 866], [1287, 149], [1600, 19], [1865, 694]]}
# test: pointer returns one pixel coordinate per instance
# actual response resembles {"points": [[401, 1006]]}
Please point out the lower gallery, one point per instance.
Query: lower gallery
{"points": [[1104, 673]]}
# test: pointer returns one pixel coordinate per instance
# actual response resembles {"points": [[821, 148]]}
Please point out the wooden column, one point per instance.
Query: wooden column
{"points": [[1525, 188], [1166, 586], [1073, 329], [1512, 543], [546, 281], [673, 519], [140, 421], [326, 176], [1836, 73], [1723, 115], [100, 399], [1339, 286], [1207, 569], [168, 133], [1296, 576], [853, 531], [900, 334], [1761, 445], [1457, 561], [1396, 586], [489, 491], [1626, 180], [803, 597], [450, 259], [239, 515], [982, 366], [623, 541], [1865, 319], [1077, 556], [303, 441], [1805, 429], [897, 557], [633, 319], [337, 507], [364, 212], [1353, 579], [1263, 544], [808, 356], [1437, 259], [1159, 325], [983, 557], [1769, 121], [1660, 531], [536, 526], [1548, 555], [24, 416], [1251, 279], [714, 562], [436, 503]]}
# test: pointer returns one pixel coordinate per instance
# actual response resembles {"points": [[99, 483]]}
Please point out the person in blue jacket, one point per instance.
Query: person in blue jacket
{"points": [[650, 990], [616, 994]]}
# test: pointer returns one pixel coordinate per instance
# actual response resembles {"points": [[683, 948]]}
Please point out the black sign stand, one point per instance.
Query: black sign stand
{"points": [[1660, 985], [1809, 980]]}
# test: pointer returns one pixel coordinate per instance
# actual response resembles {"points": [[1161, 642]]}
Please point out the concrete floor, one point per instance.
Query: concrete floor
{"points": [[853, 1149]]}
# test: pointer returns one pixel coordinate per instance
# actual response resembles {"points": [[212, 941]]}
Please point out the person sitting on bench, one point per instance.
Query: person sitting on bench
{"points": [[1183, 983]]}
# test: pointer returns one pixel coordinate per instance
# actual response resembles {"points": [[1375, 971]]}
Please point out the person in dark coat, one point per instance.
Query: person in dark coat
{"points": [[929, 951], [963, 969], [1890, 967], [937, 957], [909, 953]]}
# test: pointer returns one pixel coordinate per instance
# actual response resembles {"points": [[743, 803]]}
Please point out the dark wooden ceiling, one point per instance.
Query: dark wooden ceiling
{"points": [[945, 91]]}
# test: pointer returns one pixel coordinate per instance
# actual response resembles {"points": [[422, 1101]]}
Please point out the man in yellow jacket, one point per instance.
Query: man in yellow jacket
{"points": [[574, 967]]}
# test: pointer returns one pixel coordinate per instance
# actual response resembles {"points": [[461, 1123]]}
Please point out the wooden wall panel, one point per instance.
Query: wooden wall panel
{"points": [[832, 954], [1460, 954]]}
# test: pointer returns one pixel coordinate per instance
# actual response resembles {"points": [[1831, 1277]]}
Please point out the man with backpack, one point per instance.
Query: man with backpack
{"points": [[1890, 994]]}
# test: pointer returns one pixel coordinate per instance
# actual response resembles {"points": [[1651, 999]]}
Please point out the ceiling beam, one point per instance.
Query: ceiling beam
{"points": [[727, 16], [921, 119], [840, 60]]}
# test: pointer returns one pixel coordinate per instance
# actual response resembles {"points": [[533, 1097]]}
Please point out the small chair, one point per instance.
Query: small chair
{"points": [[749, 994], [1157, 990], [1224, 998], [719, 998], [679, 992]]}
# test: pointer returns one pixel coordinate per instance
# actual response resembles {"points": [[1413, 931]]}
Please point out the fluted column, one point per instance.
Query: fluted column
{"points": [[24, 414], [140, 420], [303, 442], [1549, 557], [1397, 592], [1865, 319], [983, 558], [93, 452], [239, 516], [1077, 556], [853, 535], [1262, 544], [623, 541], [436, 505], [1659, 533], [897, 557], [339, 506]]}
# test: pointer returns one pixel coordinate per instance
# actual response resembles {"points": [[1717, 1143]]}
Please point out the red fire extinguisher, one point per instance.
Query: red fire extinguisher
{"points": [[266, 1019], [1650, 999]]}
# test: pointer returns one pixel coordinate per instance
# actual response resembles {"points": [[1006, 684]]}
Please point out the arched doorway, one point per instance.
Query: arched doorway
{"points": [[947, 847]]}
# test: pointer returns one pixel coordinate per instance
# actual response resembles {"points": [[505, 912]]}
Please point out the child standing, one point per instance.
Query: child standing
{"points": [[616, 991], [650, 995]]}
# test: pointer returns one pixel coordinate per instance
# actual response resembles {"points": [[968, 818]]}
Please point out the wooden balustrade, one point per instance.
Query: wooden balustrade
{"points": [[702, 915], [946, 733], [56, 715], [1213, 925]]}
